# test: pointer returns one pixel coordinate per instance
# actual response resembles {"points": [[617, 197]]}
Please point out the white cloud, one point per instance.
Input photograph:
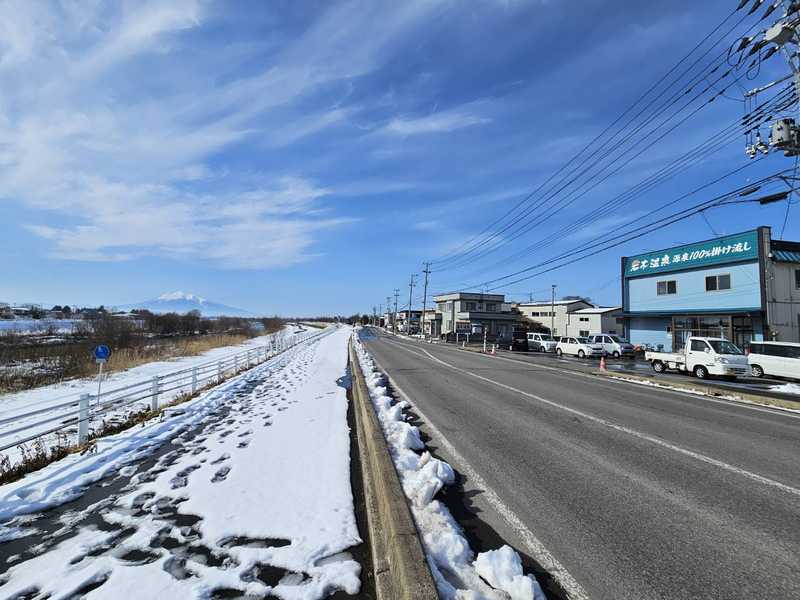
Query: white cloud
{"points": [[436, 123], [108, 125]]}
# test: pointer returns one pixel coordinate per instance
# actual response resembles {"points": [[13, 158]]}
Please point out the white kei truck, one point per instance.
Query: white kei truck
{"points": [[703, 357]]}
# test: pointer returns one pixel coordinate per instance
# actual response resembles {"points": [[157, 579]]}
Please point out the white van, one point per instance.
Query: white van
{"points": [[781, 359], [613, 345], [543, 342], [578, 346]]}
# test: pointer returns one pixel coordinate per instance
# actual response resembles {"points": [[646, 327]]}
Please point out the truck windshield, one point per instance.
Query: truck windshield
{"points": [[724, 347], [618, 339], [546, 338]]}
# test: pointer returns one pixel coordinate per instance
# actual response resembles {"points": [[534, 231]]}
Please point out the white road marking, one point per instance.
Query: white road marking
{"points": [[744, 404], [621, 428], [533, 545]]}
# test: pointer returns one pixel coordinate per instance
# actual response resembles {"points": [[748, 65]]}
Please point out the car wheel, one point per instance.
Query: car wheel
{"points": [[700, 372], [581, 354], [559, 352], [659, 367], [542, 349], [757, 371], [616, 354]]}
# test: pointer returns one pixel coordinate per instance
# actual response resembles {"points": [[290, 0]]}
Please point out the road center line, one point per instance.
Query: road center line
{"points": [[621, 428]]}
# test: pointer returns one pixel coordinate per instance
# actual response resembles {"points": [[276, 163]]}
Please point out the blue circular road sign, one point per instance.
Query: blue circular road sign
{"points": [[102, 352]]}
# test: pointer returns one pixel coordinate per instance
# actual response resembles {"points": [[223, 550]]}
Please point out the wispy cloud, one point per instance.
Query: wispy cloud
{"points": [[119, 165], [436, 123]]}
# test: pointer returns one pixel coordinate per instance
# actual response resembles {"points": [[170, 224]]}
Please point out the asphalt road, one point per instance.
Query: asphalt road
{"points": [[637, 492], [761, 386]]}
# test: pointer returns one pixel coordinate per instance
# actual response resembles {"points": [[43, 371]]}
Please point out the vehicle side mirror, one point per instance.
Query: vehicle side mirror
{"points": [[707, 350]]}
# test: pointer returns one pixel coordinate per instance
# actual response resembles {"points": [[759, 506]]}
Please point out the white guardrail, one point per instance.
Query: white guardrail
{"points": [[83, 408]]}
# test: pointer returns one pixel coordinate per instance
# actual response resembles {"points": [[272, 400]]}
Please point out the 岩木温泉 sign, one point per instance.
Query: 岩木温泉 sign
{"points": [[731, 248]]}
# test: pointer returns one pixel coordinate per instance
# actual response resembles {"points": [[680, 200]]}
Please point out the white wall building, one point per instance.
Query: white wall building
{"points": [[573, 317]]}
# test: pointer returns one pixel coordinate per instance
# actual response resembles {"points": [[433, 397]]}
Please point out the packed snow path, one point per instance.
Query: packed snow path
{"points": [[245, 493]]}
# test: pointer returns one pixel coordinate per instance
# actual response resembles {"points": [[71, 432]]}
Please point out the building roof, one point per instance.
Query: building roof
{"points": [[550, 303], [597, 310], [469, 296], [782, 251], [786, 256]]}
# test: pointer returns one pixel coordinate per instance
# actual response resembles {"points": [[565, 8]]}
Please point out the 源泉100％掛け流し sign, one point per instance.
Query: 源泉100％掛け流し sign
{"points": [[731, 248]]}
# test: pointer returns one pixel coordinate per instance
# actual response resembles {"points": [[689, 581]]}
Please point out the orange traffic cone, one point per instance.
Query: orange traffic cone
{"points": [[603, 362]]}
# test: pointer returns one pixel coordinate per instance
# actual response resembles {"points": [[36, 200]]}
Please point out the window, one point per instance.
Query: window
{"points": [[724, 347], [583, 333], [797, 279], [491, 307], [584, 319], [699, 346], [667, 287], [716, 283], [534, 314], [470, 306]]}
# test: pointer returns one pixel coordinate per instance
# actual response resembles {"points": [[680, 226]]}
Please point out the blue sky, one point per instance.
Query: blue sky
{"points": [[306, 157]]}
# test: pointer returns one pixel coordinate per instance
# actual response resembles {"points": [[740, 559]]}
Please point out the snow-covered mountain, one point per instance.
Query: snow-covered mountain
{"points": [[179, 302]]}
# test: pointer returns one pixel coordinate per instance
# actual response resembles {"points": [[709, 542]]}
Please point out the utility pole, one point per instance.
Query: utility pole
{"points": [[394, 321], [782, 37], [380, 312], [374, 314], [427, 271], [530, 297], [410, 294], [553, 309], [388, 309]]}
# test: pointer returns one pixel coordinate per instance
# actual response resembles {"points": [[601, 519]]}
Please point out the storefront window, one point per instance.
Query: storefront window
{"points": [[718, 326]]}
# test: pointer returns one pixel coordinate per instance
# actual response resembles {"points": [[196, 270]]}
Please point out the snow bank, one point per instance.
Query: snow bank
{"points": [[458, 574]]}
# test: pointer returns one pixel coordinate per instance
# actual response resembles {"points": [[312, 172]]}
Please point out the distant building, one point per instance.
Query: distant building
{"points": [[432, 323], [408, 321], [475, 313], [556, 316], [597, 319]]}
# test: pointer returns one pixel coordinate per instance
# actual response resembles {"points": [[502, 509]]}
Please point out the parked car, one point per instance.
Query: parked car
{"points": [[781, 359], [541, 342], [578, 346], [703, 356], [519, 341], [613, 345]]}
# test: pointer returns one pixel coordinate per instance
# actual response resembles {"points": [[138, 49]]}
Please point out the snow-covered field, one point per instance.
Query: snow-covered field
{"points": [[48, 401], [28, 326], [459, 574], [241, 492]]}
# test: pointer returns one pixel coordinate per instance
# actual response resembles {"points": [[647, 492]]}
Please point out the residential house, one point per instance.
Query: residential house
{"points": [[476, 313]]}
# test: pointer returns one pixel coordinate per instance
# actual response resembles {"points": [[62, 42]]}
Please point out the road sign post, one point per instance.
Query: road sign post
{"points": [[101, 355]]}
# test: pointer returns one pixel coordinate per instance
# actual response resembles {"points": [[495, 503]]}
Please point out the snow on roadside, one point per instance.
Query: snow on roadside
{"points": [[459, 575], [786, 388], [39, 399], [250, 496]]}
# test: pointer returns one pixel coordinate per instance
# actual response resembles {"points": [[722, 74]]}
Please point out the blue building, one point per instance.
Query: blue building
{"points": [[741, 287]]}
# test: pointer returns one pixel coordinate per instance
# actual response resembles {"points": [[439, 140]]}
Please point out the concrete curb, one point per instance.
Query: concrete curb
{"points": [[401, 569], [704, 390]]}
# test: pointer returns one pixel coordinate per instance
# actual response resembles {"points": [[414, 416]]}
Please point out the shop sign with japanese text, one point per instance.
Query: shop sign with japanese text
{"points": [[731, 248]]}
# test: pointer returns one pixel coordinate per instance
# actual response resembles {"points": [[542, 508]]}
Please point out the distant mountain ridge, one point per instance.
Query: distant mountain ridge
{"points": [[180, 302]]}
